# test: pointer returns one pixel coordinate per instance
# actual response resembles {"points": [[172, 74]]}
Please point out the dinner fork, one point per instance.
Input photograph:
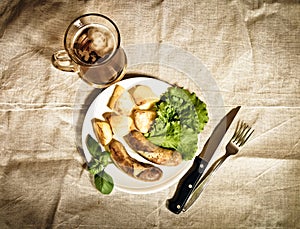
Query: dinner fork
{"points": [[241, 135]]}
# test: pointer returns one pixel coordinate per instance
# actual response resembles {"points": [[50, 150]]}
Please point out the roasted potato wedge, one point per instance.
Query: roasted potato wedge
{"points": [[147, 104], [107, 116], [120, 124], [143, 96], [121, 101], [102, 131], [118, 91], [143, 119]]}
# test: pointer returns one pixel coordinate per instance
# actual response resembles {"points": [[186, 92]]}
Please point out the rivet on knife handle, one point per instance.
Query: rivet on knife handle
{"points": [[186, 186]]}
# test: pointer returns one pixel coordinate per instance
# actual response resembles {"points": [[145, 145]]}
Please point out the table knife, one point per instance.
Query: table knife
{"points": [[189, 181], [200, 186]]}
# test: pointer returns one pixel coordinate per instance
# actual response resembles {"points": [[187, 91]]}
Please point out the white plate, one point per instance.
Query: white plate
{"points": [[171, 174]]}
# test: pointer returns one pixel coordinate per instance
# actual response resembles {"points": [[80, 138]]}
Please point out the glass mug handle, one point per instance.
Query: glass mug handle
{"points": [[62, 61]]}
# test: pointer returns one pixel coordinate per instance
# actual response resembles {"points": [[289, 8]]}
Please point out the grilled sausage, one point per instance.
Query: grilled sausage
{"points": [[131, 166], [137, 141]]}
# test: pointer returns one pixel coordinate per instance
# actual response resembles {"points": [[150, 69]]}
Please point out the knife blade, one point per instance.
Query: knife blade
{"points": [[188, 182]]}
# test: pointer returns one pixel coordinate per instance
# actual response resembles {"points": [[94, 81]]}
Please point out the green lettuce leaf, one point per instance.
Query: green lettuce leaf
{"points": [[181, 116]]}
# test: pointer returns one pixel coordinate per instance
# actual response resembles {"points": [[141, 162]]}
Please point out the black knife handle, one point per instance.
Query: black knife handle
{"points": [[186, 186]]}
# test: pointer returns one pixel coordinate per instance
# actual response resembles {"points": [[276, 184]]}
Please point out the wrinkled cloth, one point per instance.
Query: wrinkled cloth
{"points": [[250, 48]]}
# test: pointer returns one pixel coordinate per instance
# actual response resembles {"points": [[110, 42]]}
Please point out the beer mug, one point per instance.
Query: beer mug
{"points": [[92, 49]]}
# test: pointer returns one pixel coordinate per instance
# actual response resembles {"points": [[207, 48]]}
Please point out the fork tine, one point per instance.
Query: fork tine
{"points": [[242, 133], [236, 131], [246, 139]]}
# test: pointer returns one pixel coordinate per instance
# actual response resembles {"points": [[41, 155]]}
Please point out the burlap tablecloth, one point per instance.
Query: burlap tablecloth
{"points": [[251, 49]]}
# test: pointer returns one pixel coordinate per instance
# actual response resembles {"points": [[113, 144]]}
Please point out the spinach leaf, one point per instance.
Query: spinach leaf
{"points": [[100, 159], [93, 146], [104, 182], [95, 167]]}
